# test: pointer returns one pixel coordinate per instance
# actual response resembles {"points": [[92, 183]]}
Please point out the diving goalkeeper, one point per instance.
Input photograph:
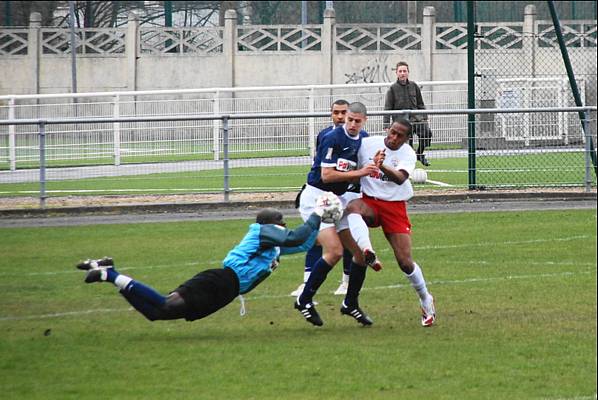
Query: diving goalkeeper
{"points": [[245, 267]]}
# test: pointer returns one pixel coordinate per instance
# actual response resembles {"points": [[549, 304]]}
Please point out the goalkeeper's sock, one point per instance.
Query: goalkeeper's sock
{"points": [[130, 286], [418, 282], [356, 278], [359, 231], [318, 275]]}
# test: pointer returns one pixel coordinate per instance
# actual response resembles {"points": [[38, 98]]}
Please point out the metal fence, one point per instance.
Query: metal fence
{"points": [[554, 163], [120, 143]]}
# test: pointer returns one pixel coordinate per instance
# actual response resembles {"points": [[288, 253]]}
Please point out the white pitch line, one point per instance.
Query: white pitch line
{"points": [[438, 183], [284, 296]]}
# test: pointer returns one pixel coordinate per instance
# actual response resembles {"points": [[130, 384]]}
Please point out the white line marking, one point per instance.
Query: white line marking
{"points": [[438, 183], [284, 296]]}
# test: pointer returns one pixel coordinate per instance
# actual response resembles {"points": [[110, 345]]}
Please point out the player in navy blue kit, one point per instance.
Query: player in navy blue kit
{"points": [[338, 112], [333, 170], [245, 266]]}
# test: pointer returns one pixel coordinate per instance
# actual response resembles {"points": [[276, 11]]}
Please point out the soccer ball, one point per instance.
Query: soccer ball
{"points": [[330, 208], [419, 176]]}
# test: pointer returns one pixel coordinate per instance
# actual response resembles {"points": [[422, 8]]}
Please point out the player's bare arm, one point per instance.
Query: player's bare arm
{"points": [[330, 174], [393, 175]]}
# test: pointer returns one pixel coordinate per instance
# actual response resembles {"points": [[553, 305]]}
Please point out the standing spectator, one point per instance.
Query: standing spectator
{"points": [[406, 95]]}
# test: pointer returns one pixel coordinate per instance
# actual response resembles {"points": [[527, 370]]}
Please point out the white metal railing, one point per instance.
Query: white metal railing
{"points": [[537, 92], [41, 124], [102, 140]]}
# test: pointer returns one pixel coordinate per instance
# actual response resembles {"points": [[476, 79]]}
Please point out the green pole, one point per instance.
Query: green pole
{"points": [[457, 14], [168, 23], [168, 13], [471, 159], [583, 115], [7, 13]]}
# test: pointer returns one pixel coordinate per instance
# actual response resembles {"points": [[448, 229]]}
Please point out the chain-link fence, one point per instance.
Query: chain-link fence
{"points": [[507, 164], [521, 65]]}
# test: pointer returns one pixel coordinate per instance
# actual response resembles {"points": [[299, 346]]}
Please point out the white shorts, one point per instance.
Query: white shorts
{"points": [[307, 204]]}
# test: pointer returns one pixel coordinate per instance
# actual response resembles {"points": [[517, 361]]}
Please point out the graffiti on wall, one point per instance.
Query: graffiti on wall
{"points": [[378, 69]]}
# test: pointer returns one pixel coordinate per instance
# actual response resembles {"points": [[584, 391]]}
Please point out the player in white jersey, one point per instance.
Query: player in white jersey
{"points": [[384, 203]]}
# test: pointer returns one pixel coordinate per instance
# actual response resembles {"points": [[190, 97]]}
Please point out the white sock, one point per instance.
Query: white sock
{"points": [[345, 278], [306, 275], [122, 281], [418, 282], [359, 231]]}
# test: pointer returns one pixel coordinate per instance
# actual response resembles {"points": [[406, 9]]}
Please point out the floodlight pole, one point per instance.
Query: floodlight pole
{"points": [[583, 115]]}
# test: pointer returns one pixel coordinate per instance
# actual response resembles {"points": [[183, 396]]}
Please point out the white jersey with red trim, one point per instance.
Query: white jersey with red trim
{"points": [[378, 185]]}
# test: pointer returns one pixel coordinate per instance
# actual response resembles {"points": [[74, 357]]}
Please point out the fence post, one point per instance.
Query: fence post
{"points": [[562, 120], [116, 129], [471, 139], [229, 46], [132, 50], [529, 36], [225, 156], [428, 36], [588, 151], [42, 164], [34, 47], [216, 126], [328, 47], [12, 131], [311, 128]]}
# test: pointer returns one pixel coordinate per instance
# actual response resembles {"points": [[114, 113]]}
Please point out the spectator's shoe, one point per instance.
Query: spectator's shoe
{"points": [[357, 314], [297, 292], [342, 289], [422, 159], [371, 260], [97, 275], [309, 313], [88, 265], [428, 312]]}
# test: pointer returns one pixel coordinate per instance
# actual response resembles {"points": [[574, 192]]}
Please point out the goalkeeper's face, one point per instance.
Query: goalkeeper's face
{"points": [[270, 216]]}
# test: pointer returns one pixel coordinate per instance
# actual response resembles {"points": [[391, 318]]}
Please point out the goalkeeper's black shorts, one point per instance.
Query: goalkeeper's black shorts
{"points": [[208, 291]]}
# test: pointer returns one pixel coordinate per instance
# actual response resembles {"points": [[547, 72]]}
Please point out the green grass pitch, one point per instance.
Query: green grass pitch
{"points": [[515, 295]]}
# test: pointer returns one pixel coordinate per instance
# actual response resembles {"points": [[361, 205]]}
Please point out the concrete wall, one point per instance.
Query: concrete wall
{"points": [[33, 73]]}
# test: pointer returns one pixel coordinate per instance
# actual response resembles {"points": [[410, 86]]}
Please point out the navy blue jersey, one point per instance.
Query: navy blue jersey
{"points": [[337, 149], [323, 133]]}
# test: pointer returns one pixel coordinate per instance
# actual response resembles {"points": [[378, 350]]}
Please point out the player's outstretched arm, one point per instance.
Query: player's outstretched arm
{"points": [[331, 175], [278, 236]]}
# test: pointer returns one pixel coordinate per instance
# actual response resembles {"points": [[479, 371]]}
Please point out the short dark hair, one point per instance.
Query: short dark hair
{"points": [[339, 102], [406, 123], [400, 63], [358, 108], [269, 216]]}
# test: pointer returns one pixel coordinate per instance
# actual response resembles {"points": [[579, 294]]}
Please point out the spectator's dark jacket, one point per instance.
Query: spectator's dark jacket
{"points": [[405, 96]]}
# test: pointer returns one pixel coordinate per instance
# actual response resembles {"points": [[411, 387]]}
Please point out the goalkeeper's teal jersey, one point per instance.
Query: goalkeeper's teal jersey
{"points": [[253, 258]]}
